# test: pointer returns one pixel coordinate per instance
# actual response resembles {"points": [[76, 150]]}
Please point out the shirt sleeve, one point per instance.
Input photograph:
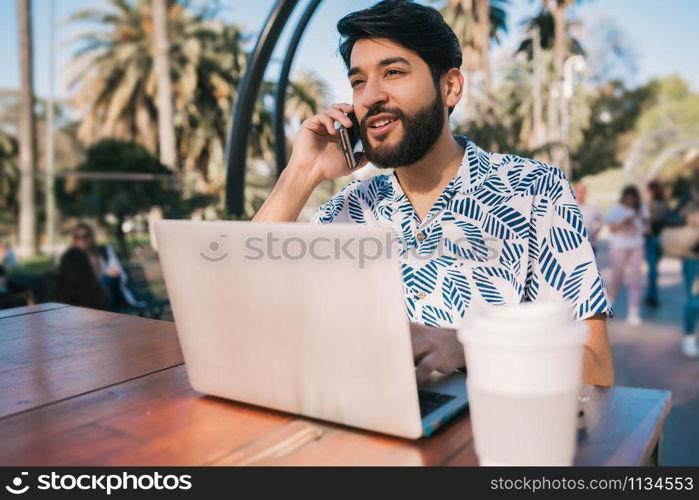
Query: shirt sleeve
{"points": [[335, 210], [113, 261], [562, 265]]}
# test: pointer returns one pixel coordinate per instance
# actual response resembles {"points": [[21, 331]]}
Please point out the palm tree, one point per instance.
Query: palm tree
{"points": [[559, 15], [492, 18], [114, 71], [307, 95], [545, 23], [116, 78], [161, 58], [209, 88], [27, 134], [471, 31], [68, 150], [558, 29]]}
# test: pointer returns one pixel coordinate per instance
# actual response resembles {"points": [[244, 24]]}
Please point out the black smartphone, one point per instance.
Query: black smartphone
{"points": [[351, 142]]}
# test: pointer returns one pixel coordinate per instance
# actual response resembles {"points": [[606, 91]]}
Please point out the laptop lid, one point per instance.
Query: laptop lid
{"points": [[295, 317]]}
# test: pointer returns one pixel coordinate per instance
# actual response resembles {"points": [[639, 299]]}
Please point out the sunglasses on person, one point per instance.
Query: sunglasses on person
{"points": [[82, 236]]}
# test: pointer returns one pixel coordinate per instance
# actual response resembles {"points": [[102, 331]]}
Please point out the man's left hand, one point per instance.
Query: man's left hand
{"points": [[435, 349]]}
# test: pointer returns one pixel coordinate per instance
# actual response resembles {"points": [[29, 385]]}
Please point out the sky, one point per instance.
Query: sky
{"points": [[662, 34]]}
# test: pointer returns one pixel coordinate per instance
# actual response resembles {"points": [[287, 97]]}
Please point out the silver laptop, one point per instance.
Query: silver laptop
{"points": [[301, 318]]}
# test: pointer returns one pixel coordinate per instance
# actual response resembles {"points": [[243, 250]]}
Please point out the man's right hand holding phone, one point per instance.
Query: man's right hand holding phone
{"points": [[317, 145], [317, 155]]}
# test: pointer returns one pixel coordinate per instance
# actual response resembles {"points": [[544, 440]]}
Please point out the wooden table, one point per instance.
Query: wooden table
{"points": [[84, 387]]}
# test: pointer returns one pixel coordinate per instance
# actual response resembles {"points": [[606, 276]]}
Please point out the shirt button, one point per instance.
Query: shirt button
{"points": [[420, 236], [421, 294]]}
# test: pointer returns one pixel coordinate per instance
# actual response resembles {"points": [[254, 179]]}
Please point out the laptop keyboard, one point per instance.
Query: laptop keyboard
{"points": [[430, 401]]}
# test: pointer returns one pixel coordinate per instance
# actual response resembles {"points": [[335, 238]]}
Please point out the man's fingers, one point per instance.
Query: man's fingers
{"points": [[417, 328], [343, 106], [425, 368], [320, 124], [338, 115], [325, 121], [421, 346]]}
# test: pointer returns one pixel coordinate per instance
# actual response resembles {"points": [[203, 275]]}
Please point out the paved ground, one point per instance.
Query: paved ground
{"points": [[649, 356]]}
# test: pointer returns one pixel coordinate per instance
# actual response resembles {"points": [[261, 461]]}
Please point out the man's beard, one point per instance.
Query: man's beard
{"points": [[421, 130]]}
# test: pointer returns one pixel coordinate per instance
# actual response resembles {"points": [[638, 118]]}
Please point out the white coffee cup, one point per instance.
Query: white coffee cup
{"points": [[524, 367]]}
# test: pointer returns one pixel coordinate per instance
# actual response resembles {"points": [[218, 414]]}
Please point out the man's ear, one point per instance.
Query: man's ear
{"points": [[452, 86]]}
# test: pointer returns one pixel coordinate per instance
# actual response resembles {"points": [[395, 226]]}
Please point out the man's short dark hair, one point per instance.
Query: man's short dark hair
{"points": [[416, 27]]}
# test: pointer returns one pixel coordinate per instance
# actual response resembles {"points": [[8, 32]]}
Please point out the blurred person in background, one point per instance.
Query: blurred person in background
{"points": [[14, 286], [592, 217], [77, 283], [8, 297], [106, 267], [627, 223], [658, 211], [7, 257], [682, 241]]}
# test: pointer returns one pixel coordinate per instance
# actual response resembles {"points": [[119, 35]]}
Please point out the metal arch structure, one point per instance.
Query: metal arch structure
{"points": [[280, 98], [638, 153], [669, 153], [241, 116]]}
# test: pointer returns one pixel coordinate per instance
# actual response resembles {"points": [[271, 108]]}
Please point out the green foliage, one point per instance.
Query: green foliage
{"points": [[119, 197], [9, 178], [113, 72], [547, 33], [463, 21], [613, 115], [114, 75], [306, 96], [667, 128], [185, 207], [33, 266], [495, 134], [674, 105], [506, 125]]}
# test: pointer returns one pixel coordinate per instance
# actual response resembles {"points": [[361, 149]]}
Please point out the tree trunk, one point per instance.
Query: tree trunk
{"points": [[559, 44], [27, 135], [483, 17], [537, 136], [161, 61]]}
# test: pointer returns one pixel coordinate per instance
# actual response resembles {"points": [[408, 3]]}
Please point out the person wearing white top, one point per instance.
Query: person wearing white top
{"points": [[627, 223], [592, 217]]}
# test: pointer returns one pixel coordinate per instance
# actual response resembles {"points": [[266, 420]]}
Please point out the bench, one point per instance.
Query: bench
{"points": [[149, 304]]}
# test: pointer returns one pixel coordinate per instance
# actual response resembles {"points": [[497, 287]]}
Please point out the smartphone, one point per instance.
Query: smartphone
{"points": [[351, 141]]}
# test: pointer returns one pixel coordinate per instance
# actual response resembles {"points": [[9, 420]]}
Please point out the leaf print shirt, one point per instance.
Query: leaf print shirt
{"points": [[505, 230]]}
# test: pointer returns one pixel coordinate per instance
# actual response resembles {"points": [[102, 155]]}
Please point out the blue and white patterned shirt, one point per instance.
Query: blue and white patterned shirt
{"points": [[505, 230]]}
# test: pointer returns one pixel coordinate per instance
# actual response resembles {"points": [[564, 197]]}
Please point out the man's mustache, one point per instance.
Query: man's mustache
{"points": [[377, 111]]}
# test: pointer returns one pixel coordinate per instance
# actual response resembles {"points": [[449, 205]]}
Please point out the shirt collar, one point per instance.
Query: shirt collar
{"points": [[472, 172], [474, 168]]}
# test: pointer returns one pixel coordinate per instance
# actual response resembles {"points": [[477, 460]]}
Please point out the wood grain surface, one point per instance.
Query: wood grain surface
{"points": [[84, 387]]}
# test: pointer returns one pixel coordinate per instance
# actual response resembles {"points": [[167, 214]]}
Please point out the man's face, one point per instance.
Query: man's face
{"points": [[399, 109]]}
